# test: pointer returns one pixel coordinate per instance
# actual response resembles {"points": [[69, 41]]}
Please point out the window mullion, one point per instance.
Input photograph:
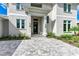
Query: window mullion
{"points": [[66, 26], [20, 6], [67, 7], [20, 24]]}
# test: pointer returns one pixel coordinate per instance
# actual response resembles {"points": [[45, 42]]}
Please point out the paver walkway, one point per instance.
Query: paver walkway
{"points": [[7, 48], [42, 46]]}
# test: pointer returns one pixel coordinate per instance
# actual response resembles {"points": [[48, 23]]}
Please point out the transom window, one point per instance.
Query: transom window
{"points": [[67, 7], [20, 23], [67, 25], [36, 5]]}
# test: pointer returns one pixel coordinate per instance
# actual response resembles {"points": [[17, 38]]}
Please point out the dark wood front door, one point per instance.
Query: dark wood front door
{"points": [[35, 27]]}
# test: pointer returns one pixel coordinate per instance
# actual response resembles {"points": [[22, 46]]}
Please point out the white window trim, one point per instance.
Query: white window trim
{"points": [[67, 7], [21, 24], [67, 25], [20, 7]]}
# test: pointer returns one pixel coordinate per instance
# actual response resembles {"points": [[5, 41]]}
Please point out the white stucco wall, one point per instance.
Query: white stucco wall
{"points": [[52, 19], [47, 6], [18, 14], [60, 10], [12, 9], [61, 16], [13, 30], [0, 27], [57, 16]]}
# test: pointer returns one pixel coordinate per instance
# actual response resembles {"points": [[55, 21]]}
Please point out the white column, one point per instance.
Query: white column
{"points": [[29, 25], [44, 26]]}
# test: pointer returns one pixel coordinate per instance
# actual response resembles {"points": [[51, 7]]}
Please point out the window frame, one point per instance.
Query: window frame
{"points": [[20, 6], [17, 23], [67, 25], [21, 25], [67, 8]]}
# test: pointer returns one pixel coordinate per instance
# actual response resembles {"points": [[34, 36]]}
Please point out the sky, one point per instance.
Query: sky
{"points": [[3, 9], [78, 13]]}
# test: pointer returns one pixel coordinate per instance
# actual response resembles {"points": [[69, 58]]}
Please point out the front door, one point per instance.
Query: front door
{"points": [[35, 27]]}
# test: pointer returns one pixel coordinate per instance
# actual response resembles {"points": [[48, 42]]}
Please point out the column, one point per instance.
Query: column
{"points": [[44, 26], [29, 25]]}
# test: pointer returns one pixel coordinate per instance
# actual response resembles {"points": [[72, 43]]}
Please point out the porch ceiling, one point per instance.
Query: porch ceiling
{"points": [[37, 11]]}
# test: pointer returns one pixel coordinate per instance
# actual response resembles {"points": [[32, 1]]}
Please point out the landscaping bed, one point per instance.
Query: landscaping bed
{"points": [[19, 37], [71, 39], [74, 40]]}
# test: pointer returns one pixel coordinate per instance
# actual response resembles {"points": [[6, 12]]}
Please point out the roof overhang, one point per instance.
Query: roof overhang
{"points": [[3, 16], [37, 11]]}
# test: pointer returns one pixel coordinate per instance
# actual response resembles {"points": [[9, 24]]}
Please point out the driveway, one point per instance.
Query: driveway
{"points": [[7, 48], [42, 46]]}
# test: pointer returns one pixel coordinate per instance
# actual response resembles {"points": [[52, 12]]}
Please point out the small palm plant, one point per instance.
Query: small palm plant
{"points": [[75, 29]]}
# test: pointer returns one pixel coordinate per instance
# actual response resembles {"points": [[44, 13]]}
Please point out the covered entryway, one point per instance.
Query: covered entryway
{"points": [[36, 25]]}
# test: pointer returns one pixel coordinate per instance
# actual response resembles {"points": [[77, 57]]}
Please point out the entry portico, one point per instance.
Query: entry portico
{"points": [[38, 20], [38, 25]]}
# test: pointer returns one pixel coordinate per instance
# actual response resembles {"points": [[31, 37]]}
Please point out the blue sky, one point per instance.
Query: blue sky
{"points": [[78, 13], [3, 9]]}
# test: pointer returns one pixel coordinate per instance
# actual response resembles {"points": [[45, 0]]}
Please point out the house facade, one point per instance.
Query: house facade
{"points": [[38, 18]]}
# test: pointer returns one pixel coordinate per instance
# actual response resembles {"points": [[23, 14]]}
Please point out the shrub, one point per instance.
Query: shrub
{"points": [[21, 36], [70, 41], [50, 34], [75, 29], [76, 44], [75, 38], [66, 36]]}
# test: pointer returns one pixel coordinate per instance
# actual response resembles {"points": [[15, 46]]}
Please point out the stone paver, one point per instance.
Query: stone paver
{"points": [[7, 48], [42, 46]]}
